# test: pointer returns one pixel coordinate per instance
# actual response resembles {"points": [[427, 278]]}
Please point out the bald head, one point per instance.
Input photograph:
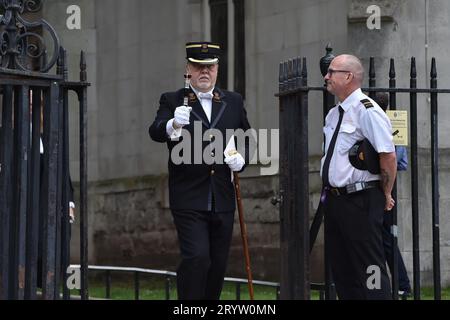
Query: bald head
{"points": [[352, 64], [344, 76]]}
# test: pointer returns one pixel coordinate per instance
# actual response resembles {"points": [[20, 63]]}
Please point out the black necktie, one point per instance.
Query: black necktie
{"points": [[326, 164]]}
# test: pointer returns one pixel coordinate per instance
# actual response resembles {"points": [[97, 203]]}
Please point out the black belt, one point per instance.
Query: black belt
{"points": [[352, 188]]}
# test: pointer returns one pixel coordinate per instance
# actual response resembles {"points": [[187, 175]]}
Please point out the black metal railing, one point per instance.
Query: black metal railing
{"points": [[169, 280], [294, 180], [34, 181], [293, 96]]}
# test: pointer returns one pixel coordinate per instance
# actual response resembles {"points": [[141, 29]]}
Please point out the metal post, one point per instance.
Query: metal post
{"points": [[61, 195], [34, 201], [394, 229], [168, 282], [415, 181], [6, 151], [51, 141], [108, 284], [372, 76], [82, 96], [284, 180], [22, 138], [136, 285], [302, 202], [294, 182], [328, 102], [65, 224], [435, 183]]}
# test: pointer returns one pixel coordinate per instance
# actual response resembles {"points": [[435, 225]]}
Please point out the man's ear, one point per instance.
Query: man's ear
{"points": [[350, 77]]}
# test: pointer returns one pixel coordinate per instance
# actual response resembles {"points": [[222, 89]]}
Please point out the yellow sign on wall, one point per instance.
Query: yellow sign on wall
{"points": [[399, 121]]}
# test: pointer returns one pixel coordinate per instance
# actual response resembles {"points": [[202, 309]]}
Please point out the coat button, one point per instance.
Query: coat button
{"points": [[212, 172]]}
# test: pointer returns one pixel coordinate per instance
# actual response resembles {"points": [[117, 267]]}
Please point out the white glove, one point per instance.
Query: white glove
{"points": [[181, 116], [236, 162]]}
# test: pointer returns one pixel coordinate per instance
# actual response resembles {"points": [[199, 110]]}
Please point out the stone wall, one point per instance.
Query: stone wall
{"points": [[130, 225]]}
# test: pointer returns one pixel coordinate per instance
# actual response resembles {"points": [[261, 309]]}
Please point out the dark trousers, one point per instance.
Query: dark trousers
{"points": [[354, 236], [403, 280], [204, 239]]}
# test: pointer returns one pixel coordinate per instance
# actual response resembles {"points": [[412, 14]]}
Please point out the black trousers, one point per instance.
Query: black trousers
{"points": [[354, 236], [204, 239]]}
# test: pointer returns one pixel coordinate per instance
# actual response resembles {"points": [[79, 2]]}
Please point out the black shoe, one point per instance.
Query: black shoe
{"points": [[404, 294]]}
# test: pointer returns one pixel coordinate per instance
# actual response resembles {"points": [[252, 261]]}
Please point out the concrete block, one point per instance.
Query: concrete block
{"points": [[358, 9]]}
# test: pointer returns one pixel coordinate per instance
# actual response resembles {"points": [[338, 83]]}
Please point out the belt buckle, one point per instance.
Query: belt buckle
{"points": [[355, 187], [360, 186], [351, 188]]}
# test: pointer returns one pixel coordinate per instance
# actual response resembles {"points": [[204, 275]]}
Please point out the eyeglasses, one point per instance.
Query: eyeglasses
{"points": [[331, 71]]}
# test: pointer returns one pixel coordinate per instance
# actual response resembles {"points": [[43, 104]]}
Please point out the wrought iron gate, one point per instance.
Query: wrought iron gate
{"points": [[34, 187], [296, 238]]}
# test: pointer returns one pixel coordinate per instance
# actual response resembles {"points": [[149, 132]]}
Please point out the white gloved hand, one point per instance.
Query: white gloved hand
{"points": [[236, 162], [181, 116]]}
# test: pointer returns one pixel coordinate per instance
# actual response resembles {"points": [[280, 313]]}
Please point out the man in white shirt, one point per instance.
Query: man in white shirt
{"points": [[356, 198], [201, 193]]}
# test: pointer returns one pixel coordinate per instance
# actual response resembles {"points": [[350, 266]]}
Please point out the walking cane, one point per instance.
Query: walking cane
{"points": [[243, 231]]}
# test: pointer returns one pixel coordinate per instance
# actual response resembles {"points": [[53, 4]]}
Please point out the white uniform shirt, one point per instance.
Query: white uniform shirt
{"points": [[358, 123], [207, 108]]}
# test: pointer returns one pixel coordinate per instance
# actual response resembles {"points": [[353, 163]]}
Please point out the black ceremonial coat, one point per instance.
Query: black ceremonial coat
{"points": [[190, 184]]}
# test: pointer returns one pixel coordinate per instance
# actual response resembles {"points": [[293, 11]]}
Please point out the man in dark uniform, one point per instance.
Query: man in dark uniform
{"points": [[202, 198], [356, 198]]}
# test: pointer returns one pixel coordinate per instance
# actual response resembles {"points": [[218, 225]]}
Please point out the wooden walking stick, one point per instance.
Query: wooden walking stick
{"points": [[237, 188]]}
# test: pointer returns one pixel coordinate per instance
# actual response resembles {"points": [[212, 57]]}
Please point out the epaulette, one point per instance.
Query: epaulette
{"points": [[367, 103]]}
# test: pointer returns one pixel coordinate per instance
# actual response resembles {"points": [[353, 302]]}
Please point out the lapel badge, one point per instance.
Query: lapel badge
{"points": [[216, 97], [192, 97]]}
